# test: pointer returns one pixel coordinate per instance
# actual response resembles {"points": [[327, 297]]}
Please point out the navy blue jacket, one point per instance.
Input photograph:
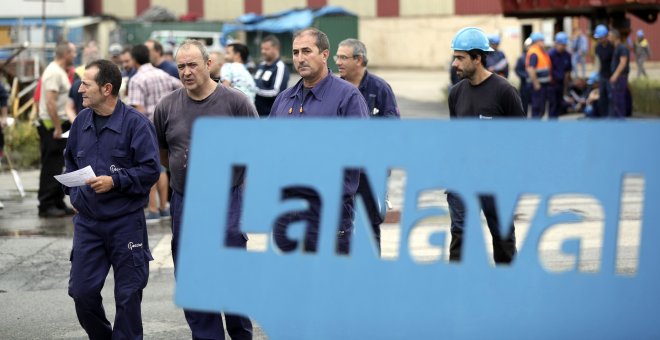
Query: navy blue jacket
{"points": [[270, 80], [521, 71], [126, 149], [379, 96]]}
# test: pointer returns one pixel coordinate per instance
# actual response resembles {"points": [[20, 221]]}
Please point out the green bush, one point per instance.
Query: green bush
{"points": [[22, 145], [645, 96]]}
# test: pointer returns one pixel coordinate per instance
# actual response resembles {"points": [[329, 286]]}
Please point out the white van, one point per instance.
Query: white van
{"points": [[169, 38]]}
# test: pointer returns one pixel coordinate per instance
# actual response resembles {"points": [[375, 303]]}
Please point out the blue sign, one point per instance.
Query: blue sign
{"points": [[324, 295]]}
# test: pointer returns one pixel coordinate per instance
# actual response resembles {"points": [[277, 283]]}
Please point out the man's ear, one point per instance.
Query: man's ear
{"points": [[107, 89], [325, 54]]}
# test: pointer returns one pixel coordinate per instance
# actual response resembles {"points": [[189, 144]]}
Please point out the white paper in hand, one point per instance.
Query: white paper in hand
{"points": [[76, 178]]}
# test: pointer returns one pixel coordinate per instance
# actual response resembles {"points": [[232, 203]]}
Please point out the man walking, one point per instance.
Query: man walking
{"points": [[604, 52], [120, 145], [272, 76], [352, 60], [53, 121], [173, 118], [234, 73], [539, 67], [145, 90], [620, 68], [481, 95], [158, 60], [317, 94], [561, 62]]}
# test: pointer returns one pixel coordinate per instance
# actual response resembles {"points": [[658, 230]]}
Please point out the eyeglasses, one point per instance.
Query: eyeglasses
{"points": [[343, 57]]}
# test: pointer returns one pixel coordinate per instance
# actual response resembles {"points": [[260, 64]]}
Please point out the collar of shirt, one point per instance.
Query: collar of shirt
{"points": [[144, 68], [365, 81], [270, 64], [116, 119], [318, 91]]}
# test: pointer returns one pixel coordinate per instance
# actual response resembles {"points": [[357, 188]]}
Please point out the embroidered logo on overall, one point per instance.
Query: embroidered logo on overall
{"points": [[132, 245], [114, 168]]}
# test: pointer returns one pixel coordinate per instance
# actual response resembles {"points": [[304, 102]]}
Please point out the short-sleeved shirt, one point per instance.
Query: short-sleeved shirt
{"points": [[494, 97], [378, 94], [620, 51], [239, 78], [561, 63], [55, 79], [605, 53], [169, 68], [174, 117], [148, 86]]}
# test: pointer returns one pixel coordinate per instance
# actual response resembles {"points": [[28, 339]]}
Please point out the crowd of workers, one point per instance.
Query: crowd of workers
{"points": [[130, 119], [554, 80]]}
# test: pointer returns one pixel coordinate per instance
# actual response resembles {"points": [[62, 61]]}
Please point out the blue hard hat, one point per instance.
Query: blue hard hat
{"points": [[470, 38], [561, 38], [536, 36], [600, 31], [494, 39], [640, 33]]}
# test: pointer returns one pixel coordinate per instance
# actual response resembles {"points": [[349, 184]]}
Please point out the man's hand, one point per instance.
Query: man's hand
{"points": [[101, 184], [537, 85], [57, 133]]}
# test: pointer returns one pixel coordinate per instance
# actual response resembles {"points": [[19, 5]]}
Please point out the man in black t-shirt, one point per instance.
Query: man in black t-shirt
{"points": [[173, 119], [485, 96]]}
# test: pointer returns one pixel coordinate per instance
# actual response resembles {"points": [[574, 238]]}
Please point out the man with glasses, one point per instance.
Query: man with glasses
{"points": [[352, 60], [317, 94]]}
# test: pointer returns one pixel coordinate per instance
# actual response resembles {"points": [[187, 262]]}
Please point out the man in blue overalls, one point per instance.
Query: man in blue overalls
{"points": [[604, 51], [352, 60], [540, 74], [120, 145], [561, 62], [317, 94], [496, 61]]}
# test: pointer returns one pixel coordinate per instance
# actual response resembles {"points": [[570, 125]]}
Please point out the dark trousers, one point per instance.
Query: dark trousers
{"points": [[374, 212], [525, 95], [123, 244], [539, 100], [311, 218], [504, 249], [205, 325], [604, 97], [51, 194], [556, 100], [618, 97]]}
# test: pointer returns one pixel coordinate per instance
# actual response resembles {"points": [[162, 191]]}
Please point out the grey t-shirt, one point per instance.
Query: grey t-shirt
{"points": [[174, 116]]}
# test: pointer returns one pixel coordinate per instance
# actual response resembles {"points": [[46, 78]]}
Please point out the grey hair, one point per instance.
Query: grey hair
{"points": [[196, 43], [358, 49]]}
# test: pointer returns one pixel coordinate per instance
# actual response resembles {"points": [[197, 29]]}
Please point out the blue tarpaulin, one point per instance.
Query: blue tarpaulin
{"points": [[285, 21]]}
